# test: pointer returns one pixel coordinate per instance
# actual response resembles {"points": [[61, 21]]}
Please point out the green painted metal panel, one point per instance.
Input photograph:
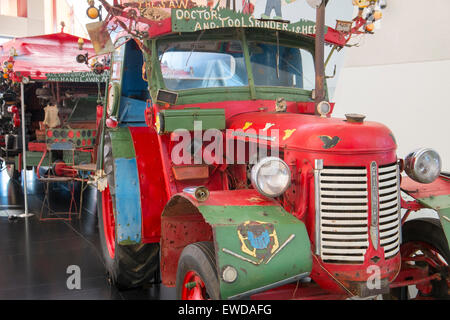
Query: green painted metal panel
{"points": [[442, 205], [122, 143], [185, 118], [33, 159], [241, 94], [265, 244]]}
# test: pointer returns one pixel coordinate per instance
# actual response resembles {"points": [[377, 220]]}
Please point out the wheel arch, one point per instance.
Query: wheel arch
{"points": [[186, 220]]}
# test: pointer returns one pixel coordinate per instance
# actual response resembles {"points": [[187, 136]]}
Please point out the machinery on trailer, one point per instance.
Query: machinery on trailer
{"points": [[61, 98], [220, 162]]}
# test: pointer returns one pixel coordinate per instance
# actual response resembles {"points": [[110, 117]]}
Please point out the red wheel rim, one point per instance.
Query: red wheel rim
{"points": [[193, 287], [421, 251], [109, 222]]}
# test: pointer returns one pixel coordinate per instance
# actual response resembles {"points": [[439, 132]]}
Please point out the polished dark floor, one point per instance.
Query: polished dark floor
{"points": [[34, 255]]}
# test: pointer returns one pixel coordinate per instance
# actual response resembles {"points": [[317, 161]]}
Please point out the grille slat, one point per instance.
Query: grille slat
{"points": [[389, 223], [349, 234], [344, 213]]}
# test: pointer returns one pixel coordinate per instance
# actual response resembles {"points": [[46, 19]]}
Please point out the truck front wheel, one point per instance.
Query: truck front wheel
{"points": [[425, 245], [128, 266], [197, 275]]}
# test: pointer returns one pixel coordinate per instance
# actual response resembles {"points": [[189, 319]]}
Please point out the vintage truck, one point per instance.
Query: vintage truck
{"points": [[220, 164], [46, 66]]}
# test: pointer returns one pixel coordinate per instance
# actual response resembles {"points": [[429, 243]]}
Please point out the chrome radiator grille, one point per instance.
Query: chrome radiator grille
{"points": [[389, 209], [344, 207]]}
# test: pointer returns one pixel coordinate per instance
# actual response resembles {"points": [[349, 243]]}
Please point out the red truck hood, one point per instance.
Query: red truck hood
{"points": [[313, 133]]}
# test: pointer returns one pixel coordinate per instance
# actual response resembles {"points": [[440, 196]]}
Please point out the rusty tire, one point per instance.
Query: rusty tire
{"points": [[130, 266], [198, 261]]}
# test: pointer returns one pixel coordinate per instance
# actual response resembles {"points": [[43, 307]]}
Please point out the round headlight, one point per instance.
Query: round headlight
{"points": [[271, 176], [423, 165], [324, 108]]}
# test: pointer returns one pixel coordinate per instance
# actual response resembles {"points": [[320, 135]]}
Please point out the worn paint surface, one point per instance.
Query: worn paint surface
{"points": [[435, 196], [279, 250], [128, 199], [184, 119], [442, 205]]}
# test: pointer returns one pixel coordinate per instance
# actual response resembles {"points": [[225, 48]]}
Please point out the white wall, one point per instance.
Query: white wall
{"points": [[11, 26], [400, 76]]}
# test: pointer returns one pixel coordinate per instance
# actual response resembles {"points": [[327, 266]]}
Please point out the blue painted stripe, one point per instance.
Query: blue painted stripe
{"points": [[128, 201]]}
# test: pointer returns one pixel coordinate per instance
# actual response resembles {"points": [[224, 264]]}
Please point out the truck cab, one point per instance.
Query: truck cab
{"points": [[218, 155]]}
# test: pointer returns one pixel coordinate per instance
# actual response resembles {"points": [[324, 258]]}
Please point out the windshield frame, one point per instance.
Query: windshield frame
{"points": [[250, 92]]}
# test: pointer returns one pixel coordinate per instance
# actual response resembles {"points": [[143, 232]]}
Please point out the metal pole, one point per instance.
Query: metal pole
{"points": [[24, 154], [320, 54]]}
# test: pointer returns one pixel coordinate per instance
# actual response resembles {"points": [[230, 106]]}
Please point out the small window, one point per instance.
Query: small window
{"points": [[281, 66], [204, 64]]}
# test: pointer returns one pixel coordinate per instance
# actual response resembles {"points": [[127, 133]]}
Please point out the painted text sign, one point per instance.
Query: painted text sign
{"points": [[197, 19], [77, 77]]}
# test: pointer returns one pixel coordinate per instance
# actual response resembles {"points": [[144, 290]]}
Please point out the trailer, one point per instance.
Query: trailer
{"points": [[221, 168], [61, 98]]}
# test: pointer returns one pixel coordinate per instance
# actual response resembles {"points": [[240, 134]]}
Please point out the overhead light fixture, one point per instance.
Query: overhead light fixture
{"points": [[92, 12], [80, 43], [82, 58]]}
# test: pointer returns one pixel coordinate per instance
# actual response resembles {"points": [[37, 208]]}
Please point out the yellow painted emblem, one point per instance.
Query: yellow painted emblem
{"points": [[158, 124], [247, 125], [288, 134]]}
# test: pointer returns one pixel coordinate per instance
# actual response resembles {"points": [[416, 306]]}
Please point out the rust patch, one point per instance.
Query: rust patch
{"points": [[256, 199]]}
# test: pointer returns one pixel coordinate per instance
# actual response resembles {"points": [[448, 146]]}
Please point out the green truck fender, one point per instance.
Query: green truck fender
{"points": [[266, 245], [435, 195]]}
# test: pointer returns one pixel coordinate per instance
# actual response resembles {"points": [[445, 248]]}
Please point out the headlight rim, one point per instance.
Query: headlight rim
{"points": [[319, 110], [410, 164], [254, 176]]}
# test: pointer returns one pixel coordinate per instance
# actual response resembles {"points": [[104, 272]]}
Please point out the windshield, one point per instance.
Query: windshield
{"points": [[203, 64], [281, 66], [212, 64]]}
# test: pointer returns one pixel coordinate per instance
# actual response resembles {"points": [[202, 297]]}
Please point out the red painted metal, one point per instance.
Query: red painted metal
{"points": [[37, 146], [193, 287], [53, 53], [109, 224], [439, 187], [419, 275], [151, 181], [422, 252], [340, 278], [249, 197], [305, 179], [187, 227], [111, 123], [354, 138]]}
